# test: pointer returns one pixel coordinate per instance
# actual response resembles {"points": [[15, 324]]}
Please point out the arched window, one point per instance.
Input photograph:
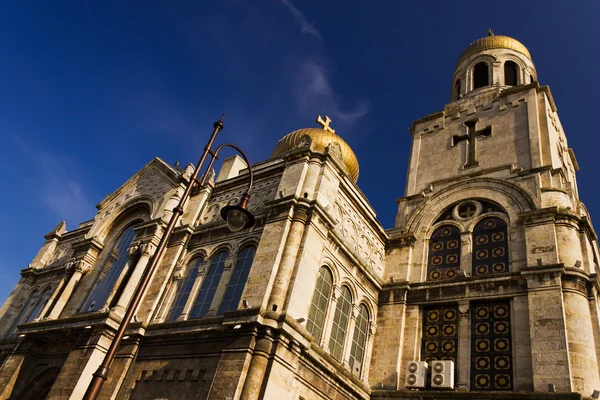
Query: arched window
{"points": [[340, 324], [481, 75], [319, 304], [184, 289], [25, 312], [209, 285], [236, 284], [111, 270], [444, 253], [39, 306], [490, 247], [457, 89], [359, 341], [510, 73], [531, 79]]}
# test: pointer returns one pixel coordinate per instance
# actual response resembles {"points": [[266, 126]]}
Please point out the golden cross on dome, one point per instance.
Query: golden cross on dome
{"points": [[325, 123]]}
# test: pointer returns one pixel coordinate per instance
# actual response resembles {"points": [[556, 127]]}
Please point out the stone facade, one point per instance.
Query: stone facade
{"points": [[491, 246]]}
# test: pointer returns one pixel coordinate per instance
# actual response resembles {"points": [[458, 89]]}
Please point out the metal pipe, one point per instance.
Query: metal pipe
{"points": [[101, 374]]}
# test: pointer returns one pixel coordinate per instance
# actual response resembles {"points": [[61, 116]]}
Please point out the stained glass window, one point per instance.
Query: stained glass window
{"points": [[490, 247], [236, 284], [440, 333], [319, 304], [491, 350], [184, 289], [340, 324], [40, 304], [111, 270], [209, 285], [359, 340], [444, 253]]}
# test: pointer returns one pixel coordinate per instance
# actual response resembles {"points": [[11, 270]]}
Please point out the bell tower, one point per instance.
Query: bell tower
{"points": [[493, 260]]}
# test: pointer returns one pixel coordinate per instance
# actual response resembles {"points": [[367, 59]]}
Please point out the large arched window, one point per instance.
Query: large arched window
{"points": [[113, 266], [359, 340], [510, 73], [444, 253], [39, 306], [490, 247], [184, 289], [209, 285], [340, 324], [481, 75], [236, 285], [319, 304]]}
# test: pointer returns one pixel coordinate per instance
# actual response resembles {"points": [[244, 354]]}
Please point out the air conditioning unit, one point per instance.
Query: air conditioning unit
{"points": [[442, 374], [416, 374]]}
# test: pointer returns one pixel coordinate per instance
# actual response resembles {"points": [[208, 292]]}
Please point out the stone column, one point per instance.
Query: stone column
{"points": [[466, 256], [258, 366], [463, 353], [288, 259], [192, 297], [170, 296], [364, 374], [350, 337], [388, 350], [79, 267], [549, 349], [580, 333], [336, 292], [146, 250]]}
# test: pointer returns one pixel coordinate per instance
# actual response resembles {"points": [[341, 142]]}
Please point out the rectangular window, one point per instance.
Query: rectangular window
{"points": [[491, 349]]}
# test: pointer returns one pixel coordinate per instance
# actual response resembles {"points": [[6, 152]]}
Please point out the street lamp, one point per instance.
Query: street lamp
{"points": [[237, 217]]}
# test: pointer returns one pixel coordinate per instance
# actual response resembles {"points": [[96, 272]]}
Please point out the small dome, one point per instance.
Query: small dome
{"points": [[494, 42], [320, 139]]}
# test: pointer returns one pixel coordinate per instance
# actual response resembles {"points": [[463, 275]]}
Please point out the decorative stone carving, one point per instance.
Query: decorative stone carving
{"points": [[262, 192], [147, 249], [357, 236]]}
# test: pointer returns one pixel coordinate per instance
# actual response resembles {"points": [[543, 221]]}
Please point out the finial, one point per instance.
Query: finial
{"points": [[325, 123], [490, 32]]}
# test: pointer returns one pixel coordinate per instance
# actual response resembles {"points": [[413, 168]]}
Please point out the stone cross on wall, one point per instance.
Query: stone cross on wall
{"points": [[325, 123], [471, 139]]}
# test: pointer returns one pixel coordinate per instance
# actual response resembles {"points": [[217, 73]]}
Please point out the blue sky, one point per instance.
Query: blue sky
{"points": [[91, 91]]}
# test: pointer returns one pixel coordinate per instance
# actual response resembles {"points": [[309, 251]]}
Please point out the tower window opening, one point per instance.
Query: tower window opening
{"points": [[481, 75], [457, 89], [531, 79], [510, 73]]}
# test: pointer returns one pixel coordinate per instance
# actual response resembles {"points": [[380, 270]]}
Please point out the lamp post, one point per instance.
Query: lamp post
{"points": [[237, 218]]}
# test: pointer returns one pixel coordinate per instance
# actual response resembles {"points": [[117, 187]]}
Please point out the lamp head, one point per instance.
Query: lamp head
{"points": [[238, 217]]}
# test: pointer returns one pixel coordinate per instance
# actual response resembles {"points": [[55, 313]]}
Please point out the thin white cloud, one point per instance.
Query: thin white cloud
{"points": [[306, 27], [55, 181], [314, 89]]}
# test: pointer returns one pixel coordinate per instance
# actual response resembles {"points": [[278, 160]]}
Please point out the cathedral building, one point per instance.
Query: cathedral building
{"points": [[491, 267]]}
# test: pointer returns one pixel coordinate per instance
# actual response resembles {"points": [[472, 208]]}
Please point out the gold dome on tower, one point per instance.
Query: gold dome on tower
{"points": [[320, 138], [494, 42]]}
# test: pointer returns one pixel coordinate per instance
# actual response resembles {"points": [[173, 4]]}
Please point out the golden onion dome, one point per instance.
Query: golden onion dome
{"points": [[494, 42], [320, 139]]}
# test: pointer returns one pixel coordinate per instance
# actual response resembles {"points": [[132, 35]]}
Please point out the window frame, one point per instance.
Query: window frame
{"points": [[311, 324], [241, 272], [92, 303], [200, 308], [341, 321]]}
